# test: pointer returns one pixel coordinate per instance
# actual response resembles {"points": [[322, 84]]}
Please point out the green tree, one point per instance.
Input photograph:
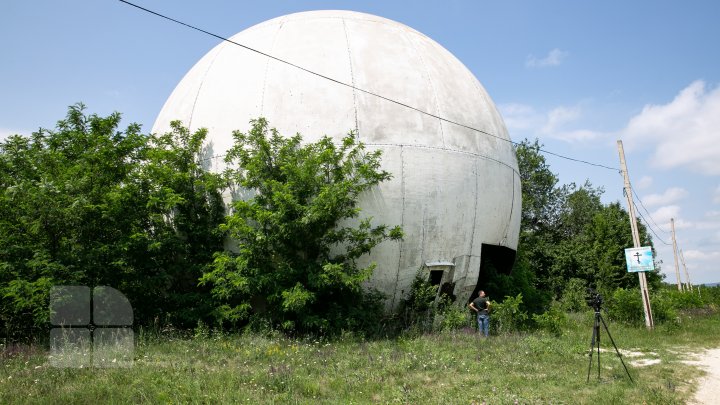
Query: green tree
{"points": [[177, 232], [64, 211], [541, 198], [570, 249], [91, 205], [609, 235], [542, 205], [298, 233], [567, 233]]}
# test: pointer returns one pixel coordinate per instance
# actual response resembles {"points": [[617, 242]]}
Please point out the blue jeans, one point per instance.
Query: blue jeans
{"points": [[483, 324]]}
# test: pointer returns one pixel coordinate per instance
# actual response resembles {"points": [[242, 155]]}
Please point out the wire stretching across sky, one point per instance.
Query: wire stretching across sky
{"points": [[360, 89], [651, 219], [645, 220]]}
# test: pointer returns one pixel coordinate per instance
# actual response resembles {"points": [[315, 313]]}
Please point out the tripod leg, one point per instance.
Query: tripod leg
{"points": [[597, 332], [616, 349], [592, 349]]}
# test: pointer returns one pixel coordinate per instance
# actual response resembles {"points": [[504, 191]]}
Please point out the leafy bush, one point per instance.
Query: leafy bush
{"points": [[680, 300], [625, 306], [423, 311], [25, 306], [573, 297], [553, 320], [508, 316], [711, 295], [664, 307], [453, 317], [300, 235], [417, 311], [88, 204]]}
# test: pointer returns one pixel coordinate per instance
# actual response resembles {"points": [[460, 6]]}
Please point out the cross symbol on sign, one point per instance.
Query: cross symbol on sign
{"points": [[637, 254]]}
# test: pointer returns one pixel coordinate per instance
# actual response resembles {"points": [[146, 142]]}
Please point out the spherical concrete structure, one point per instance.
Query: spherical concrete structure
{"points": [[455, 188]]}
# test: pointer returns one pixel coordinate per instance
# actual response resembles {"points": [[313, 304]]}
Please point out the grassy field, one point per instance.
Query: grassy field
{"points": [[445, 368]]}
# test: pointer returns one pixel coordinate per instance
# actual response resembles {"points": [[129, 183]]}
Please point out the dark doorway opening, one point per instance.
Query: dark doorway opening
{"points": [[436, 277], [494, 260]]}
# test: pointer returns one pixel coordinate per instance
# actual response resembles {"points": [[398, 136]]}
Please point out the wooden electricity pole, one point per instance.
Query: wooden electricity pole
{"points": [[675, 254], [688, 284], [645, 295]]}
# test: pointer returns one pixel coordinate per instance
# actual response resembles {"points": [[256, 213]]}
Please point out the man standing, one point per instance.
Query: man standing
{"points": [[481, 305]]}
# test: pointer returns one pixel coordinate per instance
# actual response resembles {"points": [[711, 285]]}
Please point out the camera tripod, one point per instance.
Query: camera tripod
{"points": [[595, 342]]}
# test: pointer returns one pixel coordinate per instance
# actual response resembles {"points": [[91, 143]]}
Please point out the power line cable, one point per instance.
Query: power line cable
{"points": [[645, 220], [652, 230], [358, 88], [648, 212]]}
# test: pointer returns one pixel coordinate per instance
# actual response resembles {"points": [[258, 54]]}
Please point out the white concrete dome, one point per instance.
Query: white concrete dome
{"points": [[454, 189]]}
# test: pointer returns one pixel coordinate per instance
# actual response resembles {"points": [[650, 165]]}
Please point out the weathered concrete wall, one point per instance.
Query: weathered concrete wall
{"points": [[453, 188]]}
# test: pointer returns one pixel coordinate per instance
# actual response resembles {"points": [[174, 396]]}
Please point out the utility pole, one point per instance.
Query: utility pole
{"points": [[645, 295], [675, 254], [688, 284]]}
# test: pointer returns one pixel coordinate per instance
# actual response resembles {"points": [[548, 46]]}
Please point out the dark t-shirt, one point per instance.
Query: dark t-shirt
{"points": [[481, 304]]}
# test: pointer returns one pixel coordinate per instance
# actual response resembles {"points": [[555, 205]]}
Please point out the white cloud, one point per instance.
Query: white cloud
{"points": [[700, 255], [558, 117], [576, 135], [670, 195], [521, 117], [700, 265], [682, 133], [644, 182], [663, 215], [708, 225], [716, 196], [552, 124], [553, 58]]}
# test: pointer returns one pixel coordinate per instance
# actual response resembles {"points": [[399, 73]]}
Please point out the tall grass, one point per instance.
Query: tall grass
{"points": [[454, 367]]}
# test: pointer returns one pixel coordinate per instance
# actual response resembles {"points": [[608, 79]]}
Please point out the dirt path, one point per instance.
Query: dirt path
{"points": [[709, 390]]}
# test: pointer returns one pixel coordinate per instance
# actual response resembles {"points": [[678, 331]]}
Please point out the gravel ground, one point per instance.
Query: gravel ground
{"points": [[708, 392]]}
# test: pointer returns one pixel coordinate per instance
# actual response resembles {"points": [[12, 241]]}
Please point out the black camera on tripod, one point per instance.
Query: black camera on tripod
{"points": [[594, 299]]}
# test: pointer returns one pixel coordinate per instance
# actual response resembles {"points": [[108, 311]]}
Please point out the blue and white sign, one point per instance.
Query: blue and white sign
{"points": [[639, 259]]}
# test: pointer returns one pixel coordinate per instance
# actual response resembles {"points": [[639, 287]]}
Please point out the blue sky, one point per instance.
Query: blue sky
{"points": [[578, 75]]}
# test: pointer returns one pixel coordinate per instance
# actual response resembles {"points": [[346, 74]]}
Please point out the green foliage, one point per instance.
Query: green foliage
{"points": [[625, 305], [87, 204], [63, 196], [568, 234], [664, 308], [421, 298], [710, 295], [522, 280], [423, 311], [684, 299], [299, 233], [541, 198], [552, 321], [508, 315], [183, 209], [573, 297], [667, 303], [25, 301], [453, 317]]}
